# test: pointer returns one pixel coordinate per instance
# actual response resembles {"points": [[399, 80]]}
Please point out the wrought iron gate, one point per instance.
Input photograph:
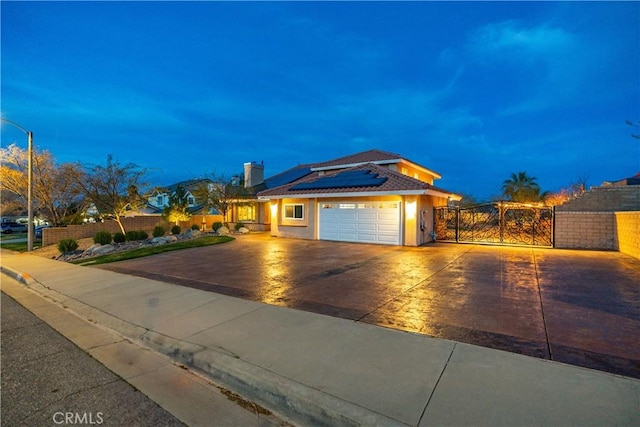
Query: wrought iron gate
{"points": [[504, 223]]}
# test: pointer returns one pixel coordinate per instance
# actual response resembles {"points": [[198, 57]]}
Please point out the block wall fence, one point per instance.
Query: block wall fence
{"points": [[584, 230], [51, 236], [603, 218], [627, 236]]}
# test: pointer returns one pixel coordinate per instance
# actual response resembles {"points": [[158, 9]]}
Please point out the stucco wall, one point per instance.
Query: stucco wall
{"points": [[627, 236], [412, 233], [297, 229], [197, 220]]}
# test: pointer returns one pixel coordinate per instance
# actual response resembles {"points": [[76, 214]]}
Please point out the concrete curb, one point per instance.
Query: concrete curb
{"points": [[290, 399], [24, 278]]}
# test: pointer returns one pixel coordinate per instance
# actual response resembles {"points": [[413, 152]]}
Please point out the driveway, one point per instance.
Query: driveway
{"points": [[577, 307]]}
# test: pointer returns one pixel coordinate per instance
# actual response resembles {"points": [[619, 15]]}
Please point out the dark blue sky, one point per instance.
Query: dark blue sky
{"points": [[472, 90]]}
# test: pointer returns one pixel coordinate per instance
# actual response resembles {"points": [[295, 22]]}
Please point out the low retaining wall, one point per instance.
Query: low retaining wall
{"points": [[627, 238], [51, 236], [197, 220]]}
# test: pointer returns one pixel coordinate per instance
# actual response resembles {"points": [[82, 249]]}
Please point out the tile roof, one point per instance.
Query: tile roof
{"points": [[395, 183], [363, 157], [187, 185]]}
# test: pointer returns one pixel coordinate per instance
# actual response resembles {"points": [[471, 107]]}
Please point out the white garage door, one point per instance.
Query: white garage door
{"points": [[360, 222]]}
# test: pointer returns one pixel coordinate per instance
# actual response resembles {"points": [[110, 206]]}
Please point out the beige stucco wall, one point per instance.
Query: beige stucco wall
{"points": [[416, 229], [297, 229], [627, 236]]}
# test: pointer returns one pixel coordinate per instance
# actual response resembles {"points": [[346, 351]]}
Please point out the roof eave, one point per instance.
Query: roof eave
{"points": [[350, 194]]}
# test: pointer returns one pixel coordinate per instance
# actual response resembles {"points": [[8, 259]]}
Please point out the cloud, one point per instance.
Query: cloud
{"points": [[511, 41], [542, 67]]}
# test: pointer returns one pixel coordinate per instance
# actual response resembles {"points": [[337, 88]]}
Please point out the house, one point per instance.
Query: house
{"points": [[633, 180], [373, 197], [159, 198]]}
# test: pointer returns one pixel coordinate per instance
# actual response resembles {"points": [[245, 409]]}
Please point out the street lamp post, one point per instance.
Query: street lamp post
{"points": [[29, 182]]}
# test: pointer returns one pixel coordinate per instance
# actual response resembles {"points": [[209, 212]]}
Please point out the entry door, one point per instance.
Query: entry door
{"points": [[375, 222]]}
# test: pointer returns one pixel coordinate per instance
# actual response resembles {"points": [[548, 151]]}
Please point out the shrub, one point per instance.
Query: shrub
{"points": [[136, 235], [158, 231], [217, 225], [195, 227], [175, 229], [119, 238], [102, 238], [239, 225], [67, 245]]}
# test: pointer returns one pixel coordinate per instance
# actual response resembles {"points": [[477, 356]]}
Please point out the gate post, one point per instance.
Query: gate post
{"points": [[501, 220], [457, 224]]}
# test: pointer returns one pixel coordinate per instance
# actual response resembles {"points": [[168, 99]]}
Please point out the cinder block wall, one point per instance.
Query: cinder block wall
{"points": [[627, 237], [585, 230], [605, 199], [602, 218], [51, 236]]}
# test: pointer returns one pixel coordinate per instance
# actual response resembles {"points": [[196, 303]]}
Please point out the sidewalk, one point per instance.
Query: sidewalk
{"points": [[319, 370]]}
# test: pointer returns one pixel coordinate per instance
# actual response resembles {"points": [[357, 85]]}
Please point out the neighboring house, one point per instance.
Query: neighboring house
{"points": [[159, 198], [372, 196], [633, 180]]}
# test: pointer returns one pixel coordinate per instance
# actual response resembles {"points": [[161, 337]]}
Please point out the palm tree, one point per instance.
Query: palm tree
{"points": [[522, 188]]}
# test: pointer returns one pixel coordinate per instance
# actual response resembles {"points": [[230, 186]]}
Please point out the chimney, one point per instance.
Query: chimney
{"points": [[253, 174]]}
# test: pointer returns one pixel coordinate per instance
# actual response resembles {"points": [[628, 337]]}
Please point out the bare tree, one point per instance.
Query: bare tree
{"points": [[634, 125], [222, 194], [56, 195], [114, 189]]}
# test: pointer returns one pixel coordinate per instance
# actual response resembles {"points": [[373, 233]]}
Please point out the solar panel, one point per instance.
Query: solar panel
{"points": [[358, 178], [287, 176]]}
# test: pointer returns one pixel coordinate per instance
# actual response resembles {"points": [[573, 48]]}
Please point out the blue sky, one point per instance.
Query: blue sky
{"points": [[472, 90]]}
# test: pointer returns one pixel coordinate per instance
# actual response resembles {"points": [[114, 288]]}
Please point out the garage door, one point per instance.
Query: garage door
{"points": [[360, 222]]}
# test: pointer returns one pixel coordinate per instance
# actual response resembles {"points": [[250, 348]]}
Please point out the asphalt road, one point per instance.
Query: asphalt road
{"points": [[48, 381]]}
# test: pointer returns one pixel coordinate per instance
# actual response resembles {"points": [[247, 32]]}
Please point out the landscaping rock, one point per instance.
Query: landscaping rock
{"points": [[90, 250], [104, 249], [243, 230], [222, 231], [191, 234], [159, 241], [170, 238]]}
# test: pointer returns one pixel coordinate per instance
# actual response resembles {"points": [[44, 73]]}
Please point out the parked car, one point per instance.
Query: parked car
{"points": [[39, 228], [13, 227]]}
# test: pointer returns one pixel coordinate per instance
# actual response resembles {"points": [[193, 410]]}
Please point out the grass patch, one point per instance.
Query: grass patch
{"points": [[12, 236], [154, 250], [18, 247]]}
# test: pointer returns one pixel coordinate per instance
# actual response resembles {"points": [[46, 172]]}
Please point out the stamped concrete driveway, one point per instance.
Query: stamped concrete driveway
{"points": [[577, 307]]}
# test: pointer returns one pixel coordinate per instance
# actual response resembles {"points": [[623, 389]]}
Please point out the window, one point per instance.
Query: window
{"points": [[247, 213], [159, 200], [405, 171], [191, 201], [294, 211]]}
